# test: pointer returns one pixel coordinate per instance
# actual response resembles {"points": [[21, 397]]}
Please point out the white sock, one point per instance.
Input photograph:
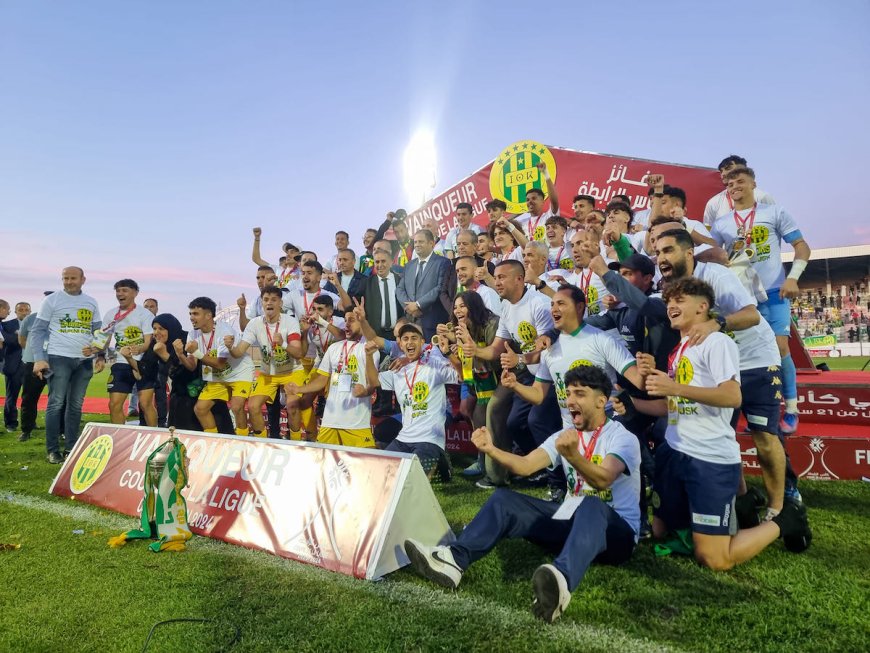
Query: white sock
{"points": [[791, 406]]}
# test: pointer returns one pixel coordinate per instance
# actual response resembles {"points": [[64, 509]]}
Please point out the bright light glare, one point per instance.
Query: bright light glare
{"points": [[419, 167]]}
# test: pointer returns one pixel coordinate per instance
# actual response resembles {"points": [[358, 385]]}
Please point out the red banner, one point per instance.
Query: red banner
{"points": [[817, 458], [514, 171], [346, 510]]}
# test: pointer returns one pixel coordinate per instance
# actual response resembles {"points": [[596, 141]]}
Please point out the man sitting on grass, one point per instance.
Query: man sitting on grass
{"points": [[598, 520]]}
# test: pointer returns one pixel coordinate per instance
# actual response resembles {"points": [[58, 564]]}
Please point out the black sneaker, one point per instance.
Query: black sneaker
{"points": [[55, 458], [555, 495], [551, 593], [748, 506], [23, 437], [794, 527]]}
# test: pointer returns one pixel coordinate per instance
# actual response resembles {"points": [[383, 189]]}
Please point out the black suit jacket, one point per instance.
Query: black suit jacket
{"points": [[356, 288], [374, 306], [10, 354], [434, 291]]}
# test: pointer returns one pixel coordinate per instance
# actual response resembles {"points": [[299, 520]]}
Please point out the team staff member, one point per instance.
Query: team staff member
{"points": [[278, 338], [597, 521], [347, 416], [698, 467], [227, 378], [63, 331]]}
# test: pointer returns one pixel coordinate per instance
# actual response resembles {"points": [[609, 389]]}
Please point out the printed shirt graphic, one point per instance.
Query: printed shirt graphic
{"points": [[695, 429], [343, 410], [238, 369], [559, 258], [424, 403], [319, 338], [71, 321], [719, 204], [275, 358], [535, 227], [757, 344], [624, 494], [131, 331], [586, 346], [524, 321], [772, 225]]}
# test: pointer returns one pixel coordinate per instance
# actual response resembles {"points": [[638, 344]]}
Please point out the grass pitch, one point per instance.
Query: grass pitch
{"points": [[63, 591]]}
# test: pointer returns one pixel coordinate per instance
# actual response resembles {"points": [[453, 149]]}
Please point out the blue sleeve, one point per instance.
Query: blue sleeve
{"points": [[793, 236]]}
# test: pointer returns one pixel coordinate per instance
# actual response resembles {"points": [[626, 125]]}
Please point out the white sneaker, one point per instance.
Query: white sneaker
{"points": [[551, 593], [435, 563]]}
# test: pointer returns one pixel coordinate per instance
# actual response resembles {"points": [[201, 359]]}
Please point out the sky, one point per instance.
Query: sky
{"points": [[145, 139]]}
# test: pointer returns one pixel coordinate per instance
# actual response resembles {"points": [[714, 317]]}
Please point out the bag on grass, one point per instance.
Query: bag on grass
{"points": [[164, 510]]}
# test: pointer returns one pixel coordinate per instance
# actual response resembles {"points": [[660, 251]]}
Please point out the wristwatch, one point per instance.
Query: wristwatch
{"points": [[721, 320], [540, 284]]}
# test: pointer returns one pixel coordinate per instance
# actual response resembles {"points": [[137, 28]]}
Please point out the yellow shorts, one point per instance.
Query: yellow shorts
{"points": [[224, 390], [268, 385], [346, 437]]}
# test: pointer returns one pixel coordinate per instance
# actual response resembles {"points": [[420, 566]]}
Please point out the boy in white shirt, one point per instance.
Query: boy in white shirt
{"points": [[698, 466]]}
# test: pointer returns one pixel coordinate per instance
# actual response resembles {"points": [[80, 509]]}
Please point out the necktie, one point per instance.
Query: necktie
{"points": [[388, 318], [419, 275]]}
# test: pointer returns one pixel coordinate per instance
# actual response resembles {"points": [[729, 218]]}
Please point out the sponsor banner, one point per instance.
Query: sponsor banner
{"points": [[514, 172], [845, 403], [343, 509], [817, 458], [820, 341], [459, 438]]}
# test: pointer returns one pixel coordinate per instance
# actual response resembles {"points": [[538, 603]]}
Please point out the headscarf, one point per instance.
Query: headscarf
{"points": [[173, 326]]}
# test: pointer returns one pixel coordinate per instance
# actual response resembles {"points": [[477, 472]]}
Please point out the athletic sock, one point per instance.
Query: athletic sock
{"points": [[214, 430], [242, 431], [260, 434], [789, 384]]}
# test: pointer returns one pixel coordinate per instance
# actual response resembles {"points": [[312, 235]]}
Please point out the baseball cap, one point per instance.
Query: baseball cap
{"points": [[635, 262]]}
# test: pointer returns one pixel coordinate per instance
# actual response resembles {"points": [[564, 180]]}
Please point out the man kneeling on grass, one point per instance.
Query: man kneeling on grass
{"points": [[598, 520]]}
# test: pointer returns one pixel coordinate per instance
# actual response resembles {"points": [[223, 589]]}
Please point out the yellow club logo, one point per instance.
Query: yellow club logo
{"points": [[527, 332], [759, 234], [515, 172], [91, 464], [352, 365], [421, 391], [85, 315], [685, 371]]}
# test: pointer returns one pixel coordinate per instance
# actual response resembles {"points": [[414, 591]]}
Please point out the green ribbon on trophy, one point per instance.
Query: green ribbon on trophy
{"points": [[164, 510]]}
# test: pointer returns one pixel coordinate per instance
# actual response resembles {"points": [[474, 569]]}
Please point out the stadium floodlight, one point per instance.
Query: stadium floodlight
{"points": [[419, 167]]}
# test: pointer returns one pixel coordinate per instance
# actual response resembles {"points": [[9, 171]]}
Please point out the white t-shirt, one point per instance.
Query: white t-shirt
{"points": [[450, 240], [559, 258], [320, 338], [490, 298], [72, 320], [524, 321], [131, 330], [587, 346], [420, 391], [275, 359], [757, 344], [516, 254], [587, 281], [238, 369], [343, 410], [770, 225], [696, 429], [624, 494], [535, 226], [721, 204], [301, 303]]}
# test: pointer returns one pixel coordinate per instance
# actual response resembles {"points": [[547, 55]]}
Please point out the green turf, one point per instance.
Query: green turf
{"points": [[844, 363], [62, 591], [96, 387]]}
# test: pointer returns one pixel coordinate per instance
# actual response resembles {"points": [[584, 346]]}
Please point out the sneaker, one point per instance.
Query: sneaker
{"points": [[485, 484], [747, 506], [793, 494], [133, 413], [475, 469], [538, 479], [435, 563], [555, 495], [789, 423], [55, 458], [794, 527], [645, 531], [23, 437], [551, 593]]}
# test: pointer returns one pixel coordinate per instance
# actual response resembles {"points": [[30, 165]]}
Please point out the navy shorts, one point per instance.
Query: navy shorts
{"points": [[762, 395], [432, 457], [121, 380], [694, 493]]}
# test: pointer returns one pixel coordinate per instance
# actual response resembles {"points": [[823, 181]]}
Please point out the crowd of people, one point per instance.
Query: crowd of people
{"points": [[602, 353]]}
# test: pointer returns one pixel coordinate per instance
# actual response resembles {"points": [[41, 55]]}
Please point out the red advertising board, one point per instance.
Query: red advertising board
{"points": [[346, 510], [514, 171], [817, 457]]}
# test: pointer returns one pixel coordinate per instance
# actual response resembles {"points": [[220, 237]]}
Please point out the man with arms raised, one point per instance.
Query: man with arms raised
{"points": [[419, 387], [227, 378], [698, 467], [347, 416], [760, 229], [598, 520], [66, 321], [279, 340]]}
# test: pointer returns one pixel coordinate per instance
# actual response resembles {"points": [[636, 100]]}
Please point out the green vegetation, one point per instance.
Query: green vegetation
{"points": [[62, 590]]}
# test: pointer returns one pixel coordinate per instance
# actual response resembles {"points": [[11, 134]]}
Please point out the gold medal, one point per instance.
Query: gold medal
{"points": [[750, 253]]}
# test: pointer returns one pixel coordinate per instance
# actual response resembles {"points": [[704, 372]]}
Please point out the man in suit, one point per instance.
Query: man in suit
{"points": [[428, 286], [382, 306], [347, 280], [13, 368]]}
